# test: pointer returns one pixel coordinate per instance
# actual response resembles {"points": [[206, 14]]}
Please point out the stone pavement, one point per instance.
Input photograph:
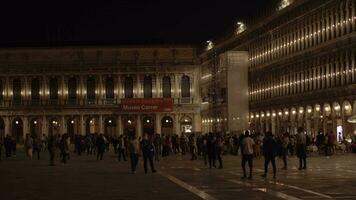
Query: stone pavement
{"points": [[177, 178]]}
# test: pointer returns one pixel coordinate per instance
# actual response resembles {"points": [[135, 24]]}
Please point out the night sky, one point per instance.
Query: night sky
{"points": [[49, 23]]}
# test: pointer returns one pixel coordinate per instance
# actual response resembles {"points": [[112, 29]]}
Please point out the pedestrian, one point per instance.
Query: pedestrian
{"points": [[193, 147], [8, 146], [36, 147], [147, 152], [28, 146], [211, 150], [100, 144], [205, 149], [269, 152], [121, 148], [1, 145], [247, 144], [51, 145], [284, 149], [157, 142], [301, 148], [219, 150], [13, 146], [133, 150], [64, 149]]}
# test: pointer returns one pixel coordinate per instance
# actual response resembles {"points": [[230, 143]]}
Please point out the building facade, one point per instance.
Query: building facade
{"points": [[81, 90], [301, 69]]}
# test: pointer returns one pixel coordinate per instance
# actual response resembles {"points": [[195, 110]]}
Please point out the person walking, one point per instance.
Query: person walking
{"points": [[8, 146], [121, 148], [147, 152], [269, 152], [247, 144], [64, 149], [284, 149], [51, 145], [193, 147], [133, 151], [301, 148], [100, 144], [211, 150], [28, 146], [36, 147]]}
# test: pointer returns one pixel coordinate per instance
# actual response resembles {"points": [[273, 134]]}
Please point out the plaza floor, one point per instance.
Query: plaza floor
{"points": [[177, 178]]}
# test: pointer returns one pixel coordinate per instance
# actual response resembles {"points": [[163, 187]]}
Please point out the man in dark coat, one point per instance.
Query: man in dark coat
{"points": [[269, 152], [147, 152], [100, 144]]}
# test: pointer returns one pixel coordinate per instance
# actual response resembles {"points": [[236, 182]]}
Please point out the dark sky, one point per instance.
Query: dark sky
{"points": [[34, 22]]}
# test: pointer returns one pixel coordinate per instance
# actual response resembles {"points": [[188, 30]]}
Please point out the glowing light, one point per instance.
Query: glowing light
{"points": [[347, 107], [35, 122], [72, 122], [309, 110], [210, 45], [16, 122]]}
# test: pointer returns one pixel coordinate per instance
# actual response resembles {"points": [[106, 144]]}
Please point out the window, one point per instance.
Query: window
{"points": [[72, 89], [1, 91], [128, 87], [35, 90], [147, 87], [91, 89], [16, 90], [166, 86], [185, 86], [109, 88], [53, 89]]}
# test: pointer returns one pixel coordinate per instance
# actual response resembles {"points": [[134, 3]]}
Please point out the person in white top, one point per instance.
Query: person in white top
{"points": [[247, 153]]}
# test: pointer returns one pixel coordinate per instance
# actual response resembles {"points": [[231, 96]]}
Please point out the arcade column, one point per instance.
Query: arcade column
{"points": [[44, 125], [63, 125], [177, 124], [119, 125], [139, 126], [158, 124], [197, 123], [101, 126], [25, 126], [7, 125], [82, 128]]}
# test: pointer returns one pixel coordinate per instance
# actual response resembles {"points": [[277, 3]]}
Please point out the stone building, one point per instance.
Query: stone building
{"points": [[301, 69], [109, 90]]}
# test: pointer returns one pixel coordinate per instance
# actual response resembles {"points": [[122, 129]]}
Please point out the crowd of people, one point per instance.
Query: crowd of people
{"points": [[209, 147]]}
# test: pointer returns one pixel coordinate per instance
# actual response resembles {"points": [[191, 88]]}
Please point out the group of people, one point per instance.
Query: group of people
{"points": [[9, 144]]}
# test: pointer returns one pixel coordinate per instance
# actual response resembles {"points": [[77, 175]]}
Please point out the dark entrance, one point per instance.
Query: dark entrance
{"points": [[148, 125]]}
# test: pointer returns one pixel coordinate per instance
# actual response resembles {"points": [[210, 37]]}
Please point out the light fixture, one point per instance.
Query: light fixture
{"points": [[210, 45], [168, 120], [327, 108], [293, 112], [53, 122], [286, 112], [317, 108], [309, 110], [273, 114], [35, 122], [347, 107], [186, 120], [72, 122], [280, 113], [257, 116], [301, 111], [109, 121], [268, 114], [337, 107], [148, 121], [16, 122], [129, 121]]}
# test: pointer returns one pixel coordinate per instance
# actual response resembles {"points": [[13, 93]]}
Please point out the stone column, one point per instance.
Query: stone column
{"points": [[158, 124], [82, 127], [63, 125], [101, 125], [119, 125], [139, 126], [273, 125], [44, 125], [25, 126], [7, 125], [197, 123], [177, 124]]}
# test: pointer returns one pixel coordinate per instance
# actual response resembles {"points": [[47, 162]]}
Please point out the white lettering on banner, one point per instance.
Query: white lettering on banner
{"points": [[143, 107]]}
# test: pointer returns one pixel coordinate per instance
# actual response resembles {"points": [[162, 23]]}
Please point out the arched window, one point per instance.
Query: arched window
{"points": [[128, 87], [185, 86], [53, 89], [72, 90], [109, 88], [91, 89], [35, 90], [166, 86], [147, 87], [16, 91]]}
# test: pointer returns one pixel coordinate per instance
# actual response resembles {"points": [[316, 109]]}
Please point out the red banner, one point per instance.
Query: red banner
{"points": [[147, 105]]}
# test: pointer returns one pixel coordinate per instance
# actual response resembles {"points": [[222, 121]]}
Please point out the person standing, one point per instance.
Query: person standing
{"points": [[8, 146], [100, 144], [28, 146], [133, 151], [284, 150], [193, 147], [219, 150], [247, 144], [51, 145], [157, 142], [121, 148], [211, 150], [64, 148], [269, 152], [36, 147], [147, 152], [301, 148]]}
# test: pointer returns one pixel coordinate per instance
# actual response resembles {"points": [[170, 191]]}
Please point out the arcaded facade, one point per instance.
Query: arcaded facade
{"points": [[109, 90], [301, 69]]}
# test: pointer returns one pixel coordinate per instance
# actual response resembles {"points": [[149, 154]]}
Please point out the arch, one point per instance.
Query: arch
{"points": [[73, 127], [91, 90], [326, 109], [347, 108], [53, 126], [109, 88], [336, 109], [148, 125], [17, 129], [186, 125], [185, 86], [147, 87], [110, 126], [166, 87], [92, 125], [129, 125], [128, 87], [35, 127], [167, 125], [72, 90]]}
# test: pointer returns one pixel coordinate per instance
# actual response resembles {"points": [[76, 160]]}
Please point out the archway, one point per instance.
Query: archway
{"points": [[17, 129], [2, 128], [110, 127], [186, 124], [148, 125], [92, 125], [129, 123], [54, 126], [167, 125], [35, 128], [72, 127]]}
